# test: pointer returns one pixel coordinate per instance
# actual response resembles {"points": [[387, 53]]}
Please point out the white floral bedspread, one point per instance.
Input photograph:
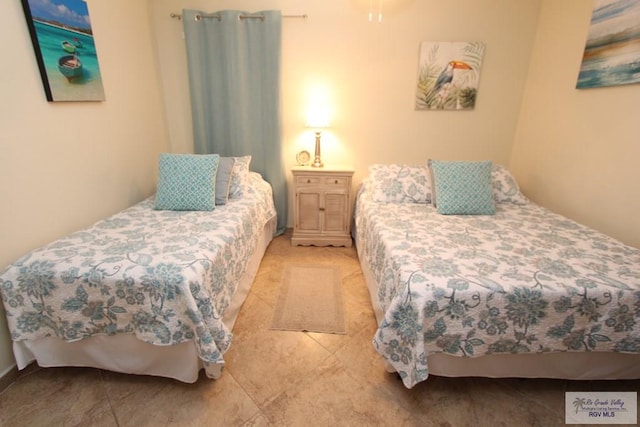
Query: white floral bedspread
{"points": [[523, 280], [165, 276]]}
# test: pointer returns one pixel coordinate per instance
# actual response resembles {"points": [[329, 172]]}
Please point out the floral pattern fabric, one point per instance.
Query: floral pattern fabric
{"points": [[400, 183], [524, 280], [396, 183], [505, 186], [165, 276]]}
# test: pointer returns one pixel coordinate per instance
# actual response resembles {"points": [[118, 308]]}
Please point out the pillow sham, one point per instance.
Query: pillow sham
{"points": [[462, 188], [223, 179], [505, 187], [239, 176], [186, 182], [397, 183]]}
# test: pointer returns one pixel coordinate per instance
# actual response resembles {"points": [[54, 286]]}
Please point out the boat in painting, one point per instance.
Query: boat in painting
{"points": [[68, 47], [76, 42], [70, 66]]}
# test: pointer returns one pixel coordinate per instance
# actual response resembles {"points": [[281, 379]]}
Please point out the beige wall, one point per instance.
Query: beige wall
{"points": [[66, 165], [368, 72], [577, 152]]}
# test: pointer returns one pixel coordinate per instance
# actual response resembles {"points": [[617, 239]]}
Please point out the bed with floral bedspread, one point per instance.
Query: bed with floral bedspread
{"points": [[166, 277], [524, 280]]}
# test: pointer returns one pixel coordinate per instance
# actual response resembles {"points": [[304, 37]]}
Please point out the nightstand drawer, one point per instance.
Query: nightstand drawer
{"points": [[308, 180], [332, 181]]}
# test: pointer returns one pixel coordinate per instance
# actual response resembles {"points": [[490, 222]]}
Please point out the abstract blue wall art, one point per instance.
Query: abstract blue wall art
{"points": [[612, 52]]}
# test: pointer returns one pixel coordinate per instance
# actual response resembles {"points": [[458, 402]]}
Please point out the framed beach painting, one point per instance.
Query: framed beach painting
{"points": [[65, 50], [448, 75], [612, 51]]}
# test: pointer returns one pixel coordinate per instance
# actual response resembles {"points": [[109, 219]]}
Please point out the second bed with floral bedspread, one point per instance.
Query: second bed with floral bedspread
{"points": [[524, 280]]}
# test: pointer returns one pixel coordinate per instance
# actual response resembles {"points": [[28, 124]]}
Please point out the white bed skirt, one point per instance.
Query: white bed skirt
{"points": [[573, 366], [127, 354]]}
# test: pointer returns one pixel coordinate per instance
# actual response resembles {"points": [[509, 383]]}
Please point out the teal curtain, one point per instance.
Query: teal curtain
{"points": [[234, 77]]}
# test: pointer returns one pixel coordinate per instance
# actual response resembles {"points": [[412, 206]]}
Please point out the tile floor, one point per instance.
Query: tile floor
{"points": [[289, 378]]}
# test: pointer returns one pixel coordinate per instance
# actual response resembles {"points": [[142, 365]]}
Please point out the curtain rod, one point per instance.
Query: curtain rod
{"points": [[218, 17]]}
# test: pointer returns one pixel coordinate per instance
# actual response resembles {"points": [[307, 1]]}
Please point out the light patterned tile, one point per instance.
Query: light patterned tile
{"points": [[477, 401], [267, 362], [548, 393], [361, 360], [259, 420], [355, 289], [267, 284], [357, 316], [151, 401], [255, 315], [332, 396], [57, 396]]}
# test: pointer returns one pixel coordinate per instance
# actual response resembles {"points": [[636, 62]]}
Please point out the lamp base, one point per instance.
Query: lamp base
{"points": [[317, 163]]}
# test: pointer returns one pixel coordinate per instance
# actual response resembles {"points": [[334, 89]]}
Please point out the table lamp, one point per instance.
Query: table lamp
{"points": [[318, 120]]}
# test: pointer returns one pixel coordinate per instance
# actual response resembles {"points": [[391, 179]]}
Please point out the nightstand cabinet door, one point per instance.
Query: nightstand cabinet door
{"points": [[322, 207], [308, 217], [335, 206]]}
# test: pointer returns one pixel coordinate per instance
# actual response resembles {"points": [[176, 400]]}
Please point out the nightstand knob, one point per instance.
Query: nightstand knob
{"points": [[336, 181], [308, 181]]}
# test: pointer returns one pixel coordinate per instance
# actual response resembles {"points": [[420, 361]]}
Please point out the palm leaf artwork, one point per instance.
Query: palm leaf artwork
{"points": [[448, 75]]}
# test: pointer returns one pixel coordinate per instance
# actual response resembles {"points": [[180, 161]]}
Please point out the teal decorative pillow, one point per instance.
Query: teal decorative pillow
{"points": [[462, 188], [223, 179], [186, 182]]}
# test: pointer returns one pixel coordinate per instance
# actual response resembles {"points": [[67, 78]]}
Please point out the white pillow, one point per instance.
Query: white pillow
{"points": [[239, 176], [396, 183], [505, 187]]}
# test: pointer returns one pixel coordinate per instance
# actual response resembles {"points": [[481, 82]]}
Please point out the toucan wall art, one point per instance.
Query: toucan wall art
{"points": [[448, 75]]}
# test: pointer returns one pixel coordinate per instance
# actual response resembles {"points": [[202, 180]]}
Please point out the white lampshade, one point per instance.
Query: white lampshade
{"points": [[318, 117]]}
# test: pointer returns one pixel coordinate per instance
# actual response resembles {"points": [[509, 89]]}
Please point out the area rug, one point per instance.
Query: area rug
{"points": [[310, 300]]}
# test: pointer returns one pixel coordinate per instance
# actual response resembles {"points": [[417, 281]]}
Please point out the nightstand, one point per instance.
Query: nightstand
{"points": [[322, 206]]}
